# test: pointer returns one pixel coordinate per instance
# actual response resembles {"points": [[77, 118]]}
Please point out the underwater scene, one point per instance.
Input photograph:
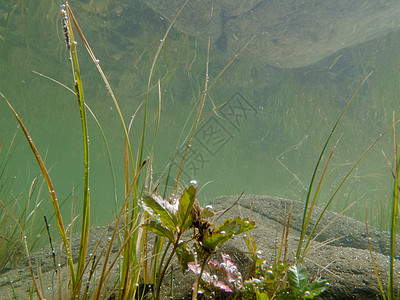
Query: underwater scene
{"points": [[178, 127]]}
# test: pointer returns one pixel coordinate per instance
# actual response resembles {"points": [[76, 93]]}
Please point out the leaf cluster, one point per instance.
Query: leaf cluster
{"points": [[170, 219], [282, 281]]}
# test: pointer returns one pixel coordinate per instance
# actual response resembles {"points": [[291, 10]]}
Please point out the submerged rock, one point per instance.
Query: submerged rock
{"points": [[286, 34]]}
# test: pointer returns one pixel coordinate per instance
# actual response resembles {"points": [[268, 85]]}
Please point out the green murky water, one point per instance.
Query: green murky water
{"points": [[266, 139]]}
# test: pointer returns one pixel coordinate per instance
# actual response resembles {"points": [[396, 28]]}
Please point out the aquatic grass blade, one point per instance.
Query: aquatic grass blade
{"points": [[394, 217], [72, 47], [311, 208], [313, 178], [155, 59], [310, 238], [142, 142], [207, 88], [100, 129], [105, 272], [107, 83], [50, 186], [372, 255], [129, 253]]}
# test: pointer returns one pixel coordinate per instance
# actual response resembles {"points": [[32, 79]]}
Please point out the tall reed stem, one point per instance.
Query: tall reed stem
{"points": [[71, 44], [395, 215]]}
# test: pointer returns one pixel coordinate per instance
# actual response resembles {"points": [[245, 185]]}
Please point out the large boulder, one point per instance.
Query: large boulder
{"points": [[286, 34]]}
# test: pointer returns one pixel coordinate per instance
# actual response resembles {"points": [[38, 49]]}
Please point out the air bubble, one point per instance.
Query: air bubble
{"points": [[193, 183], [158, 218], [233, 269]]}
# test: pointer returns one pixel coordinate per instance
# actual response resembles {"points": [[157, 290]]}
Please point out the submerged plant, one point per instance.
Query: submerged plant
{"points": [[299, 288], [172, 218], [16, 213], [279, 279]]}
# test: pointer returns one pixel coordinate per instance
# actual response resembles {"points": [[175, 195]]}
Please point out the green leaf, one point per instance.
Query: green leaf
{"points": [[237, 225], [160, 210], [185, 206], [184, 255], [212, 241], [160, 230], [297, 277], [226, 231], [314, 289], [207, 213], [261, 296]]}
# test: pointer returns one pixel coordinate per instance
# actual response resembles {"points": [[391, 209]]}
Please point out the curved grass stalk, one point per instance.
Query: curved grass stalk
{"points": [[105, 272], [307, 209], [310, 238], [4, 162], [144, 244], [156, 56], [143, 134], [38, 291], [108, 154], [140, 156], [372, 254], [52, 192], [320, 182], [101, 132], [202, 102], [103, 76], [207, 89]]}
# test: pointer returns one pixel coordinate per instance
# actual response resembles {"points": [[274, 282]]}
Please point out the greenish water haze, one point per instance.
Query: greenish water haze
{"points": [[265, 140]]}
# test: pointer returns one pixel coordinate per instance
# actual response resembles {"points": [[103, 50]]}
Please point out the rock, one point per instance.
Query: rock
{"points": [[289, 34]]}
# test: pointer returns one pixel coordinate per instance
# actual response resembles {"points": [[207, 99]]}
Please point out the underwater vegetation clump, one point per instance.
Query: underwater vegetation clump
{"points": [[18, 211], [153, 228], [11, 247]]}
